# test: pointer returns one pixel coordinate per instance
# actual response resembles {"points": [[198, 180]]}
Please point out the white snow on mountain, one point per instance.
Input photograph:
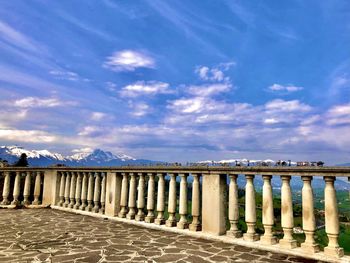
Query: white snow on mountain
{"points": [[86, 157]]}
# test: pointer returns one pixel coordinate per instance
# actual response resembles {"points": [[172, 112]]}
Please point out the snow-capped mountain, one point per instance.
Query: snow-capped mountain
{"points": [[95, 157]]}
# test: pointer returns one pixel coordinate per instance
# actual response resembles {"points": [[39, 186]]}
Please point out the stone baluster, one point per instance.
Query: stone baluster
{"points": [[124, 196], [141, 198], [287, 220], [195, 225], [26, 191], [171, 222], [160, 200], [267, 213], [37, 188], [233, 207], [73, 182], [132, 197], [250, 212], [150, 199], [16, 189], [103, 194], [309, 221], [183, 223], [67, 190], [62, 184], [332, 219], [97, 193], [78, 191], [84, 191], [90, 192], [6, 189]]}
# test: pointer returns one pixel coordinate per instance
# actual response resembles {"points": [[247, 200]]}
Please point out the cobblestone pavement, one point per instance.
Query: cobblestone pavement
{"points": [[28, 235]]}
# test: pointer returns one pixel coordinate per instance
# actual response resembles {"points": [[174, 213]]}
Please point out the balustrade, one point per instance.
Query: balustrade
{"points": [[145, 195]]}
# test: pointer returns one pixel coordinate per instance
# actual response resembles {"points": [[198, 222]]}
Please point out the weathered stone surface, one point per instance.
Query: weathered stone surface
{"points": [[30, 235]]}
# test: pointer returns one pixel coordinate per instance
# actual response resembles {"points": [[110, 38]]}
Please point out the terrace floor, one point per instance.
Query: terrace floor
{"points": [[29, 235]]}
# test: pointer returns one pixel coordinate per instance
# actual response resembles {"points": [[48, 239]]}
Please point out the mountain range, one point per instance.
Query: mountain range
{"points": [[96, 157]]}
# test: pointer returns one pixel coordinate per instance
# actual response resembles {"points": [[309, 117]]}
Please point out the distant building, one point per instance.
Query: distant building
{"points": [[3, 163]]}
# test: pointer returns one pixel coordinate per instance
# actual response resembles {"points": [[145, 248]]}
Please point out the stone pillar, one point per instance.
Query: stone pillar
{"points": [[132, 197], [332, 219], [84, 190], [214, 205], [62, 185], [67, 190], [6, 189], [250, 209], [51, 187], [195, 225], [150, 199], [72, 190], [141, 198], [16, 189], [113, 193], [124, 196], [172, 202], [26, 191], [90, 192], [78, 192], [287, 220], [160, 200], [233, 207], [309, 221], [37, 188], [97, 193], [267, 212], [103, 194], [183, 223]]}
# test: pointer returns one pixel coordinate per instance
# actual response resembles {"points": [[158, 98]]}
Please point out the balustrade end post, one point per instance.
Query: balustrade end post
{"points": [[51, 188]]}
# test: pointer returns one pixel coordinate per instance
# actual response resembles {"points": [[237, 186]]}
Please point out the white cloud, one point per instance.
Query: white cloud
{"points": [[287, 106], [35, 102], [215, 73], [140, 109], [29, 136], [340, 110], [90, 131], [129, 60], [208, 90], [338, 115], [83, 150], [140, 88], [97, 116], [285, 88], [271, 121], [191, 105]]}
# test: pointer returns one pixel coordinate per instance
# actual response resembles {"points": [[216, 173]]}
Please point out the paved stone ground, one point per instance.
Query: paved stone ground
{"points": [[27, 235]]}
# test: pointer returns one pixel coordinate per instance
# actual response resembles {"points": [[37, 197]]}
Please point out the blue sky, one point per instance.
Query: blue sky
{"points": [[178, 80]]}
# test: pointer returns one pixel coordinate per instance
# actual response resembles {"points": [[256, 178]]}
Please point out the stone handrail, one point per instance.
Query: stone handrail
{"points": [[149, 193]]}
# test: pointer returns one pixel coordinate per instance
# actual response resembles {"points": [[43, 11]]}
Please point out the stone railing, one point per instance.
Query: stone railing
{"points": [[165, 196]]}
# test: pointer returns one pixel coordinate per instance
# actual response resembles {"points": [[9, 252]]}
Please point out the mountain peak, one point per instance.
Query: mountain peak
{"points": [[80, 158]]}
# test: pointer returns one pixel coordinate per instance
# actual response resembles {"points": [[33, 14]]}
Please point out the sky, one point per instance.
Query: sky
{"points": [[177, 80]]}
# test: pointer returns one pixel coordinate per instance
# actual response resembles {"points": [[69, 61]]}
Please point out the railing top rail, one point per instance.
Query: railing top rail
{"points": [[271, 170]]}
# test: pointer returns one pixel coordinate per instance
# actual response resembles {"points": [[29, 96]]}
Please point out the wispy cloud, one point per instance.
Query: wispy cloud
{"points": [[141, 88], [209, 89], [284, 88], [36, 102], [14, 37], [129, 60], [287, 106]]}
